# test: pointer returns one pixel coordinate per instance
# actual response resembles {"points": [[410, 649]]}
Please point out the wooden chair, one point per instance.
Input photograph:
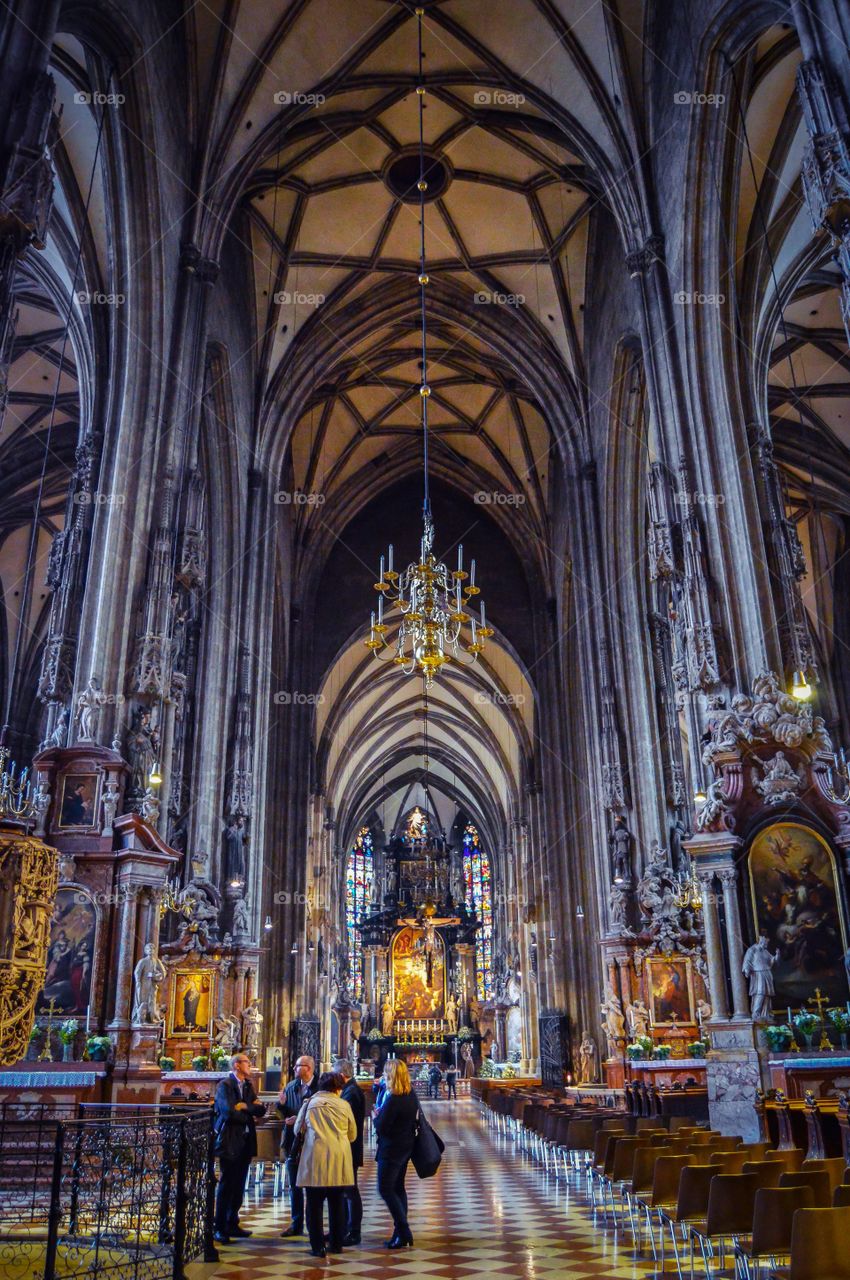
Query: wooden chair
{"points": [[691, 1207], [818, 1246], [731, 1205], [817, 1179], [834, 1167], [773, 1215]]}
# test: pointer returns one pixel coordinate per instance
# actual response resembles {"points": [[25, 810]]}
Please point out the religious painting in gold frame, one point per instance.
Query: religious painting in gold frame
{"points": [[80, 801], [797, 906], [670, 985], [190, 1008], [413, 997]]}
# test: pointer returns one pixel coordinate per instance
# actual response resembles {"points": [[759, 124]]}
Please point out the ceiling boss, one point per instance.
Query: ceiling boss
{"points": [[432, 600]]}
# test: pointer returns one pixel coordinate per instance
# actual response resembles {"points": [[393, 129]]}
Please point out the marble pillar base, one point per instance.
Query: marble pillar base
{"points": [[733, 1076]]}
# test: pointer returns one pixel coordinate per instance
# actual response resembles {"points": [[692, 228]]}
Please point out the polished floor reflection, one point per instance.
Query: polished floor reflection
{"points": [[491, 1211]]}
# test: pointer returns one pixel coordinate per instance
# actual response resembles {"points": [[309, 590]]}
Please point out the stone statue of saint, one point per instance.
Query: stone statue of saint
{"points": [[587, 1073], [141, 748], [235, 841], [387, 1016], [638, 1016], [241, 923], [613, 1022], [451, 1012], [474, 1012], [758, 969], [148, 977], [468, 1063], [621, 851], [252, 1023], [227, 1033], [89, 703]]}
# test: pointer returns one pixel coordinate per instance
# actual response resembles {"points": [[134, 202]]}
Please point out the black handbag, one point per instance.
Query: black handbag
{"points": [[428, 1148]]}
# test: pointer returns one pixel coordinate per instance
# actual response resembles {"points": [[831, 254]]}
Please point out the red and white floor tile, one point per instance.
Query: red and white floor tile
{"points": [[489, 1212]]}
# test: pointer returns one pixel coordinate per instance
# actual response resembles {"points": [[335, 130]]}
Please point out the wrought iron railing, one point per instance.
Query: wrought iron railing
{"points": [[125, 1192]]}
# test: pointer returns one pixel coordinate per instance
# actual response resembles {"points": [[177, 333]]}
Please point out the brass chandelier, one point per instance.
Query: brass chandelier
{"points": [[430, 598]]}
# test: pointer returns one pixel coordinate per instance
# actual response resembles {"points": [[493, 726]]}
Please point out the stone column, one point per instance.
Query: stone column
{"points": [[129, 900], [713, 948], [728, 877]]}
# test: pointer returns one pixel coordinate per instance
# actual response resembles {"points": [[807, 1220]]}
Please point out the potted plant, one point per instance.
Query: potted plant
{"points": [[509, 1071], [779, 1038], [97, 1048], [641, 1047], [34, 1034], [840, 1020], [805, 1024], [662, 1052], [68, 1034], [166, 1064], [698, 1049], [200, 1063], [487, 1071], [465, 1033], [219, 1057]]}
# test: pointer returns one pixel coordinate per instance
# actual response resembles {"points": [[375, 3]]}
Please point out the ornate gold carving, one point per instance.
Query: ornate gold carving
{"points": [[29, 876]]}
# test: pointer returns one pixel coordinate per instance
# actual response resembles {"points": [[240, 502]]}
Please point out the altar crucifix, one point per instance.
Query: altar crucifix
{"points": [[820, 1001]]}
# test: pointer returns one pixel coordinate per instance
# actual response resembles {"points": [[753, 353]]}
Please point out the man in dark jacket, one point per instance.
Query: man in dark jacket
{"points": [[303, 1086], [234, 1124], [353, 1095], [435, 1077]]}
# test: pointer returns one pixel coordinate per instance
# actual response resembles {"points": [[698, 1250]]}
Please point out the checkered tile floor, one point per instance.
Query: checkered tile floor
{"points": [[490, 1212]]}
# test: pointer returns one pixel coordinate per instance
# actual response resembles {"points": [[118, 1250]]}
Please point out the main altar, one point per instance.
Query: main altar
{"points": [[418, 937]]}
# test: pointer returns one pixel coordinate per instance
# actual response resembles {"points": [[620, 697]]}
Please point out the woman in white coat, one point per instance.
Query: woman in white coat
{"points": [[325, 1167]]}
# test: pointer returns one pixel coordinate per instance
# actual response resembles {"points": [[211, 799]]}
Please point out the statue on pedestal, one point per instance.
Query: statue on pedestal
{"points": [[387, 1016], [89, 703], [252, 1022], [148, 977], [241, 922], [141, 747], [235, 841], [613, 1022], [758, 969], [451, 1012], [620, 841], [638, 1016], [587, 1073]]}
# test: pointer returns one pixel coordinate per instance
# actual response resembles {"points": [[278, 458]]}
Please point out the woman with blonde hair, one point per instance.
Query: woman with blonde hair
{"points": [[395, 1125], [325, 1167]]}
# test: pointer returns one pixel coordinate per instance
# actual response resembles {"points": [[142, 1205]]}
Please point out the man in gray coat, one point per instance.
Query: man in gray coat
{"points": [[289, 1103]]}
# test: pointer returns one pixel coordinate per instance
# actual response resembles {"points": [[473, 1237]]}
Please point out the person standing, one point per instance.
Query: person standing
{"points": [[234, 1125], [435, 1079], [395, 1125], [325, 1169], [291, 1099], [353, 1095], [451, 1081]]}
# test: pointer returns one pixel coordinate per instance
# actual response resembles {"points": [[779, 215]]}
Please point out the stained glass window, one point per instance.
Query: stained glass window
{"points": [[359, 872], [479, 898]]}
